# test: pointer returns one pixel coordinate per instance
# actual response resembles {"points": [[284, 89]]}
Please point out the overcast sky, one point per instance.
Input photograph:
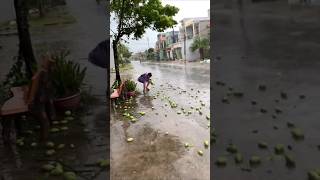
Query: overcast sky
{"points": [[187, 9]]}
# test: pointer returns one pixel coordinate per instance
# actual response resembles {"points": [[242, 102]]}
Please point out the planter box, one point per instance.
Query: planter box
{"points": [[131, 94], [68, 103]]}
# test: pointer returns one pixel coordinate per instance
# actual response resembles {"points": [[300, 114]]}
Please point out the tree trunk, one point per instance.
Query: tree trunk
{"points": [[201, 53], [116, 59], [25, 45], [40, 7]]}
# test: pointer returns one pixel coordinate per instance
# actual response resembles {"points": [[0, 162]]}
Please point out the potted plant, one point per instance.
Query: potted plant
{"points": [[130, 87], [115, 85], [67, 80]]}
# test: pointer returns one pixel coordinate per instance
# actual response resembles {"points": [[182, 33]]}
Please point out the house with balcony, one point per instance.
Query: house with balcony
{"points": [[167, 46], [190, 29]]}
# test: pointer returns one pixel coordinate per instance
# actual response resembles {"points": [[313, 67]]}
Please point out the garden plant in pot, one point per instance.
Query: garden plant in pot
{"points": [[67, 79], [115, 85], [130, 87]]}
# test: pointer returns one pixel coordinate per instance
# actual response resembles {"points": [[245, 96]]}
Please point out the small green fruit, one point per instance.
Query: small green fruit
{"points": [[279, 149], [67, 113], [263, 145], [221, 161], [50, 152], [255, 160], [238, 158], [47, 167], [130, 139], [200, 153], [50, 144], [69, 176], [61, 146]]}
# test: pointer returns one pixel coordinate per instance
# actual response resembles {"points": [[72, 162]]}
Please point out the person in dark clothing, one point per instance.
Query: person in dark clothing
{"points": [[100, 56], [145, 80]]}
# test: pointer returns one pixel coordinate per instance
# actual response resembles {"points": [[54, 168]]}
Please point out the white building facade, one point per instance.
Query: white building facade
{"points": [[192, 28]]}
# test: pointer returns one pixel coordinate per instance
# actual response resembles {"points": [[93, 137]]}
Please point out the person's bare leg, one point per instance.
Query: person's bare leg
{"points": [[147, 86], [144, 87]]}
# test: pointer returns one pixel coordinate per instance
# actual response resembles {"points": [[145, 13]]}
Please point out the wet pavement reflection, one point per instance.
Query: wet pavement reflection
{"points": [[273, 44], [158, 149]]}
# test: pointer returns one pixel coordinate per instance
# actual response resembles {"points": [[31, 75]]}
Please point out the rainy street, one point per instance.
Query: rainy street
{"points": [[166, 140], [269, 53]]}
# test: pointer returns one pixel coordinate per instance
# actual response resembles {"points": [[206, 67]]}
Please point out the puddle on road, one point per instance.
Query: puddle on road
{"points": [[152, 157]]}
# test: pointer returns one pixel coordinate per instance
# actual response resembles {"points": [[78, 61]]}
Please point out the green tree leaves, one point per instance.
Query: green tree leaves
{"points": [[138, 15], [135, 16]]}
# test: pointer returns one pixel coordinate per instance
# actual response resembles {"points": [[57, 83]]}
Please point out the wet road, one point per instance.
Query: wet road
{"points": [[158, 150], [7, 11], [277, 45]]}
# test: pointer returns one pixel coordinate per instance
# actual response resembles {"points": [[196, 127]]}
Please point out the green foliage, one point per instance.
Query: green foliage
{"points": [[199, 43], [130, 85], [115, 85], [123, 53], [150, 54], [16, 76], [202, 44], [67, 76], [136, 16]]}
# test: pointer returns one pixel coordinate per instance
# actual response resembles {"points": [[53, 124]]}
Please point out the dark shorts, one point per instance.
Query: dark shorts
{"points": [[143, 79]]}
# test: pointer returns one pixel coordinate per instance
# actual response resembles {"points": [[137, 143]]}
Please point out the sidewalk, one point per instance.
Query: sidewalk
{"points": [[180, 63]]}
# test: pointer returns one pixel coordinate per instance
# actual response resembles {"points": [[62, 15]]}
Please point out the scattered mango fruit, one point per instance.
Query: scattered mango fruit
{"points": [[238, 158], [297, 134], [263, 145], [279, 149], [69, 176], [255, 160], [130, 139], [50, 144], [200, 153], [67, 113], [58, 170], [206, 144], [221, 161], [47, 167], [50, 152]]}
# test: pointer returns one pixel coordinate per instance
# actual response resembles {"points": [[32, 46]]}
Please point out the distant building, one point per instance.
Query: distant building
{"points": [[175, 45], [190, 29], [166, 46]]}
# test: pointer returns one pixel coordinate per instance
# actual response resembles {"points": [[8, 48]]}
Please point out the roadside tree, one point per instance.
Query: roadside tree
{"points": [[133, 17]]}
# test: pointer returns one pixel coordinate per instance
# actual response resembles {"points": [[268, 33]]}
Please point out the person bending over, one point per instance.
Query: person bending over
{"points": [[145, 80]]}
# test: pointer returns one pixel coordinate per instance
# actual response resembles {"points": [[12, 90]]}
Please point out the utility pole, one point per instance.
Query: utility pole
{"points": [[148, 42], [173, 41], [184, 39]]}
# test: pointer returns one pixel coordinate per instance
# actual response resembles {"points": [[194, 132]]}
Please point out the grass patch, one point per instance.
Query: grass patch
{"points": [[6, 25], [123, 68], [55, 16]]}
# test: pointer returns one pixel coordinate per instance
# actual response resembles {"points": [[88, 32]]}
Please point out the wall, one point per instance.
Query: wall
{"points": [[191, 56], [111, 56]]}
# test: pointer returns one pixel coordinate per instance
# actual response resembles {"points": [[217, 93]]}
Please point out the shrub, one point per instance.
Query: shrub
{"points": [[67, 76], [130, 85]]}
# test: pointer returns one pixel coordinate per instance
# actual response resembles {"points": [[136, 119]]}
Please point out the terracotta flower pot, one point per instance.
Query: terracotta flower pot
{"points": [[68, 103], [131, 93]]}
